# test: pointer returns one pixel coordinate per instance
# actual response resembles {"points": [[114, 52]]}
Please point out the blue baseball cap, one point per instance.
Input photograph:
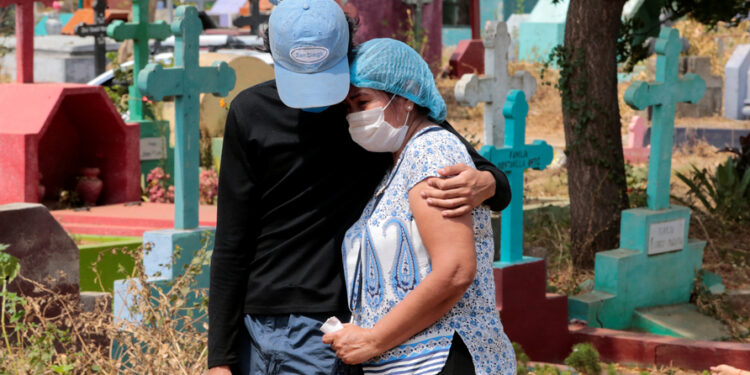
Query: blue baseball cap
{"points": [[309, 43]]}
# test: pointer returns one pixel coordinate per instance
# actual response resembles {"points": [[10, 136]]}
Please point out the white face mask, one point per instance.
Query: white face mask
{"points": [[370, 130]]}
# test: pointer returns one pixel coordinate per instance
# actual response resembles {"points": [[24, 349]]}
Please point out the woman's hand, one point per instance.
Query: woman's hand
{"points": [[463, 189], [353, 344]]}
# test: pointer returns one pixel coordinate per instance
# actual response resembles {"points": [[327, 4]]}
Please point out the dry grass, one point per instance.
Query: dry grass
{"points": [[171, 339]]}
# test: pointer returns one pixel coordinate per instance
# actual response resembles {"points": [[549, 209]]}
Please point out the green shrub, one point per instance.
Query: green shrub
{"points": [[725, 194], [584, 359], [522, 359]]}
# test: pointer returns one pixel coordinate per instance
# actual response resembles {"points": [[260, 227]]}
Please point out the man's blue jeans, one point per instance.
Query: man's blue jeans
{"points": [[286, 345]]}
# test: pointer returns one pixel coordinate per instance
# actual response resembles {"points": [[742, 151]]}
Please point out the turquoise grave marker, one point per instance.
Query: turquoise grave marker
{"points": [[173, 249], [513, 159], [186, 81], [155, 151], [140, 31], [663, 95], [656, 263]]}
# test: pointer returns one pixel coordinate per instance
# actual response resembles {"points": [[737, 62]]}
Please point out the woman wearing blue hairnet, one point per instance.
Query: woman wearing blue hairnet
{"points": [[420, 285]]}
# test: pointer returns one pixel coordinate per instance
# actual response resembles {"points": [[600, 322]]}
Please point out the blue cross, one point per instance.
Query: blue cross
{"points": [[513, 159]]}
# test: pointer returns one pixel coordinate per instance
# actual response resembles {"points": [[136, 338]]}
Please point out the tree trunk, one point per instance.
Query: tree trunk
{"points": [[596, 172]]}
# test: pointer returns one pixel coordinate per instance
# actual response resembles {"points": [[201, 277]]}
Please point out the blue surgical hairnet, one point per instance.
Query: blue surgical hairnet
{"points": [[392, 66]]}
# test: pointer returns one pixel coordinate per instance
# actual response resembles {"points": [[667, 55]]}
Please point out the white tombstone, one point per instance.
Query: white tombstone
{"points": [[494, 87], [225, 9], [736, 82]]}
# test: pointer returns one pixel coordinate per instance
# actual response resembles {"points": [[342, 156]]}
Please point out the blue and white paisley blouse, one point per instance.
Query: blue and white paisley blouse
{"points": [[384, 259]]}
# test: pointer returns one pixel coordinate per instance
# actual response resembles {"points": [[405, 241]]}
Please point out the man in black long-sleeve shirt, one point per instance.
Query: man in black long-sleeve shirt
{"points": [[291, 182]]}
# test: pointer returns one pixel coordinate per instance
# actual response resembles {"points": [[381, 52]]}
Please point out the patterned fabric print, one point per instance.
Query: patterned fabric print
{"points": [[405, 268], [387, 232]]}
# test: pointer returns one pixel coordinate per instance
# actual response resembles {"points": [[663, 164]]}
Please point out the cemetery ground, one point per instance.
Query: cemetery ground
{"points": [[65, 338], [547, 227]]}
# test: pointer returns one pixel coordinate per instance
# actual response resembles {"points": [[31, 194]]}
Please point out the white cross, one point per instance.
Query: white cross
{"points": [[496, 84]]}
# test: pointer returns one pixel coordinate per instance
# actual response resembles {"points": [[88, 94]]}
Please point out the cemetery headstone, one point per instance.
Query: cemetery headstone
{"points": [[537, 321], [225, 9], [172, 249], [736, 78], [710, 103], [255, 20], [45, 251], [24, 38], [635, 150], [155, 150], [494, 87], [98, 30], [656, 263]]}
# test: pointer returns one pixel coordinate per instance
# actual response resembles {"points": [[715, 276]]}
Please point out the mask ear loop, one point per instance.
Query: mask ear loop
{"points": [[406, 120], [389, 102]]}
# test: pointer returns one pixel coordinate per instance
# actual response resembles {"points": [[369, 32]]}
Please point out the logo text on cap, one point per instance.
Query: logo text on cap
{"points": [[308, 54]]}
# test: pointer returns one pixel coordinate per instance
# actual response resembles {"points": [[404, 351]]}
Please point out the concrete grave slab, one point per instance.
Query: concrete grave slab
{"points": [[682, 320]]}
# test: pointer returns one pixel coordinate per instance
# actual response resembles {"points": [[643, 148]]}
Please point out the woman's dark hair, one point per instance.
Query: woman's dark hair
{"points": [[351, 21]]}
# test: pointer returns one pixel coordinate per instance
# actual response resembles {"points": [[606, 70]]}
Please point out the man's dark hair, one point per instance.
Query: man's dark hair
{"points": [[353, 25]]}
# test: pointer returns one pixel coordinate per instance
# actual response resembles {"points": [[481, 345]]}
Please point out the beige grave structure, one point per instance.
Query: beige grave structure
{"points": [[250, 71]]}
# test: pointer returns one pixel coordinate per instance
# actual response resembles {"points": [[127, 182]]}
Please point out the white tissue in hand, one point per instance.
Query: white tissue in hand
{"points": [[331, 325]]}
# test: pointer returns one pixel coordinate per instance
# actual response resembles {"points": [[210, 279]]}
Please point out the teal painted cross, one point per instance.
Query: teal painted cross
{"points": [[186, 81], [513, 159], [664, 94], [140, 31]]}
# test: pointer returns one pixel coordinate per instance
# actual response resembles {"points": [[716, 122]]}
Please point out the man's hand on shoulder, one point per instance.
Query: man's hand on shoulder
{"points": [[462, 189], [220, 370]]}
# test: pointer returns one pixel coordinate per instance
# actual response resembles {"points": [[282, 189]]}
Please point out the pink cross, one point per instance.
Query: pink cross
{"points": [[634, 151], [24, 38]]}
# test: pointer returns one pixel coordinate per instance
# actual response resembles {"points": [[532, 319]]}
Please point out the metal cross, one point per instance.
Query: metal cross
{"points": [[254, 20], [664, 94], [98, 30], [186, 81]]}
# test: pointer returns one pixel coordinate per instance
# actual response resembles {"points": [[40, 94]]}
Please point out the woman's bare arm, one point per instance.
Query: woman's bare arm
{"points": [[450, 244]]}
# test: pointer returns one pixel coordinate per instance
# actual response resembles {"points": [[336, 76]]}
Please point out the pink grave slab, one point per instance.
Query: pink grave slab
{"points": [[634, 151], [127, 219], [55, 130]]}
